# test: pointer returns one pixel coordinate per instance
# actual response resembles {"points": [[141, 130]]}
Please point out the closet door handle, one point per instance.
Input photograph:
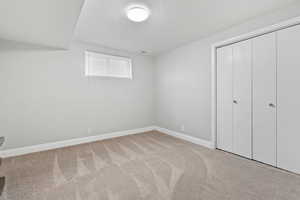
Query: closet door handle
{"points": [[235, 102], [272, 105]]}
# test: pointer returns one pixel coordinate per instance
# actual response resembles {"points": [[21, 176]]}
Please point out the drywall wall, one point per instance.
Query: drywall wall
{"points": [[45, 96], [183, 78]]}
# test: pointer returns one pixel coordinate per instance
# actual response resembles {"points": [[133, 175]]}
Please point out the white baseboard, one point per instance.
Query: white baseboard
{"points": [[72, 142], [188, 138], [66, 143]]}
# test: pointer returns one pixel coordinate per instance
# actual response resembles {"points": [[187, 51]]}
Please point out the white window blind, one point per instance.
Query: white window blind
{"points": [[97, 64]]}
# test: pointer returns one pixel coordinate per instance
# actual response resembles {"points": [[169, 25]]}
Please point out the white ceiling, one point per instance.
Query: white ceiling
{"points": [[43, 22], [172, 23]]}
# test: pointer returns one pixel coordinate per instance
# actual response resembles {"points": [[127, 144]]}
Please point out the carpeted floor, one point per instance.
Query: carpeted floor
{"points": [[148, 166]]}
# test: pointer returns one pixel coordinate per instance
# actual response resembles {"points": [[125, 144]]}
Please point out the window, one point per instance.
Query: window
{"points": [[97, 64]]}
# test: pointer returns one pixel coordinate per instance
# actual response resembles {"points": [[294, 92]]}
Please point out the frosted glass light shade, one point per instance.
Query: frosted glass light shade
{"points": [[137, 13]]}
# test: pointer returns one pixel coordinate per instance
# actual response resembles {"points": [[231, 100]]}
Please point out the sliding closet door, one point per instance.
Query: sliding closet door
{"points": [[264, 98], [288, 109], [242, 105], [224, 98]]}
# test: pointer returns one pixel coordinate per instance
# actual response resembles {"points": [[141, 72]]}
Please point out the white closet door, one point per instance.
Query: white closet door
{"points": [[288, 108], [264, 98], [242, 105], [224, 98]]}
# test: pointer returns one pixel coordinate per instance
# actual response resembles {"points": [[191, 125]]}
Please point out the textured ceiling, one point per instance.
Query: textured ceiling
{"points": [[172, 23], [43, 22], [103, 22]]}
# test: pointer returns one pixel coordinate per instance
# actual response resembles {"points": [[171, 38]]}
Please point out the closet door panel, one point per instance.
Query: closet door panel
{"points": [[242, 82], [224, 98], [288, 108], [264, 98]]}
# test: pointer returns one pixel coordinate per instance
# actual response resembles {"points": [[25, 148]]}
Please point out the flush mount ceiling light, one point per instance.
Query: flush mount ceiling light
{"points": [[137, 13]]}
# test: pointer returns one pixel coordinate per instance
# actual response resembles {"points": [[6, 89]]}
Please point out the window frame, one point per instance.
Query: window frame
{"points": [[108, 57]]}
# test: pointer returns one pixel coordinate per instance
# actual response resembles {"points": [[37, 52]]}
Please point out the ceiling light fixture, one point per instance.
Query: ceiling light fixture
{"points": [[137, 13]]}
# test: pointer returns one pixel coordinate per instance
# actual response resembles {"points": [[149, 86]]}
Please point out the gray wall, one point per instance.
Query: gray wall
{"points": [[183, 78], [45, 96]]}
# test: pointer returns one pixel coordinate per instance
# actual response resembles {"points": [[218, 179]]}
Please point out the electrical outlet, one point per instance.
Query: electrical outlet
{"points": [[2, 139], [182, 128]]}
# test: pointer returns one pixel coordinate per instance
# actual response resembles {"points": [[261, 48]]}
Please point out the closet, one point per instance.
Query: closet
{"points": [[241, 62], [258, 105], [234, 77], [288, 97], [264, 98]]}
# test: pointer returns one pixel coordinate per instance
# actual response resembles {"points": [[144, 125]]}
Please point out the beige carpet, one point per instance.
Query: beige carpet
{"points": [[148, 166]]}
